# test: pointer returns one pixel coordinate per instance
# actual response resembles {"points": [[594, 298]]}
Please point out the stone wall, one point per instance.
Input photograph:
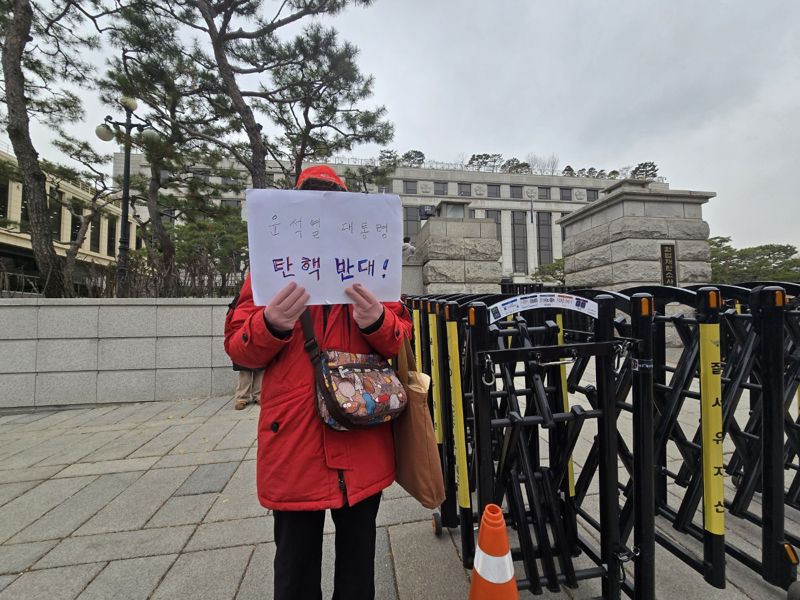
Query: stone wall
{"points": [[412, 275], [459, 255], [615, 243], [89, 351]]}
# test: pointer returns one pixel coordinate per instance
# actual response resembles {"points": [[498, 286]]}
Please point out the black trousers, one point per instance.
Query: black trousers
{"points": [[298, 556]]}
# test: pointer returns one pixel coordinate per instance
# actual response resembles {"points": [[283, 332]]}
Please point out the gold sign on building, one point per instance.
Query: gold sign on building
{"points": [[669, 272]]}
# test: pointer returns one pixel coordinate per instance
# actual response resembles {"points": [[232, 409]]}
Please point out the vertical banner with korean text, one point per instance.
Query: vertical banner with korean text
{"points": [[325, 242]]}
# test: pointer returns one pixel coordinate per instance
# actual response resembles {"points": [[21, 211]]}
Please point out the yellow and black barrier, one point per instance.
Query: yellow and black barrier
{"points": [[713, 435]]}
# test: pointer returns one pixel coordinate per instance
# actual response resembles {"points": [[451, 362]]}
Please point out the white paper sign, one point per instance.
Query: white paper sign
{"points": [[542, 300], [325, 242]]}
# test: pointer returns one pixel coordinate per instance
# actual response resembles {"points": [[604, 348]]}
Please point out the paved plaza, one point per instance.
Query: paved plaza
{"points": [[157, 500]]}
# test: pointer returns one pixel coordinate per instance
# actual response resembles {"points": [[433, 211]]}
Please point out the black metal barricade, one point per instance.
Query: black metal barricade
{"points": [[493, 438], [554, 371]]}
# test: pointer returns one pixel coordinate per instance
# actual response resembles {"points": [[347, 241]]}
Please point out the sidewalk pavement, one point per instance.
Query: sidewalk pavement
{"points": [[157, 500]]}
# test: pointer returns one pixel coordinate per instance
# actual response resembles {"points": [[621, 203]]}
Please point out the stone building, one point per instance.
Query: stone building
{"points": [[100, 247]]}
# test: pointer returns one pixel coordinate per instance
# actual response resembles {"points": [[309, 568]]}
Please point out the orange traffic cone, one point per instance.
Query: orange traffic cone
{"points": [[493, 570]]}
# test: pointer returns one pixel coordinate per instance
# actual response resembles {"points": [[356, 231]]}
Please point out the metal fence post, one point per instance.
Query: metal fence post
{"points": [[767, 306], [642, 311], [478, 319], [607, 435]]}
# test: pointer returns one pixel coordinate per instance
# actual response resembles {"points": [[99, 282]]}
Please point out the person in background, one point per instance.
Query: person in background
{"points": [[408, 249], [304, 467], [248, 387]]}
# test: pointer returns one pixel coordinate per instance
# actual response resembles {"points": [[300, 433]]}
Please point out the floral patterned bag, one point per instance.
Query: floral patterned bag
{"points": [[354, 391]]}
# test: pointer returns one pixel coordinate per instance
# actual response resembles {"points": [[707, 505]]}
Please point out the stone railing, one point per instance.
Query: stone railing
{"points": [[90, 351]]}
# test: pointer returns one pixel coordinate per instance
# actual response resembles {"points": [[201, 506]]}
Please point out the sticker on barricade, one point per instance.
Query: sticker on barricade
{"points": [[516, 304]]}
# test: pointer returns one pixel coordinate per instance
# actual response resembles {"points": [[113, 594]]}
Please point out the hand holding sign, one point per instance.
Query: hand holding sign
{"points": [[286, 307], [367, 309]]}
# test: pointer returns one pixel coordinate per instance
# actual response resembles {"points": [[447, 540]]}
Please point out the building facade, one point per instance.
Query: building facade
{"points": [[99, 248], [526, 207]]}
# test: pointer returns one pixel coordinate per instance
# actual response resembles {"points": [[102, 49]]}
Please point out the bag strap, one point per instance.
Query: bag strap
{"points": [[405, 361], [311, 345]]}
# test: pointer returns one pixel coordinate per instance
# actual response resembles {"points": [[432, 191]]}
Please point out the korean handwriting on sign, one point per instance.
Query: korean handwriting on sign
{"points": [[283, 266], [315, 228], [346, 268], [347, 226], [310, 265], [343, 268], [297, 226], [364, 230], [274, 225], [382, 229], [366, 266]]}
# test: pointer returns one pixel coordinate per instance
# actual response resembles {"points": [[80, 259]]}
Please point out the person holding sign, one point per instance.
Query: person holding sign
{"points": [[304, 467]]}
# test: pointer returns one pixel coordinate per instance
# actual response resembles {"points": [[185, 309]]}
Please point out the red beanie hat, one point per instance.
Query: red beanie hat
{"points": [[321, 172]]}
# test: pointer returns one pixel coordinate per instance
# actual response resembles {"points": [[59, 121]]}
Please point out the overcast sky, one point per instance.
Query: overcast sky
{"points": [[708, 90]]}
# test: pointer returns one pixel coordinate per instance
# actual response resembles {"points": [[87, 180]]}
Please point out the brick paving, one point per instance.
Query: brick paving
{"points": [[157, 500]]}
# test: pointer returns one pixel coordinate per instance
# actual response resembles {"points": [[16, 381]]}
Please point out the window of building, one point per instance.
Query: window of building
{"points": [[411, 221], [74, 224], [519, 241], [516, 191], [493, 190], [409, 187], [544, 237], [592, 195], [24, 218], [353, 184], [231, 181], [55, 202], [139, 240], [440, 188], [168, 216], [94, 235], [495, 216], [202, 174], [544, 193], [465, 189], [451, 211], [111, 237], [4, 199], [566, 194]]}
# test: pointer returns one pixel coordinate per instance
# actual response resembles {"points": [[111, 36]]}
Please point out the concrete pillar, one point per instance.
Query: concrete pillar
{"points": [[459, 255], [533, 247], [616, 242], [505, 233], [558, 250]]}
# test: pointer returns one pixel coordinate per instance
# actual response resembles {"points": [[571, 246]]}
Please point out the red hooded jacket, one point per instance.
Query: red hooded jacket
{"points": [[302, 464]]}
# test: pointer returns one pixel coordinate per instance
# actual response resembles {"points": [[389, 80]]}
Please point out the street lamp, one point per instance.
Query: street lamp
{"points": [[106, 131]]}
